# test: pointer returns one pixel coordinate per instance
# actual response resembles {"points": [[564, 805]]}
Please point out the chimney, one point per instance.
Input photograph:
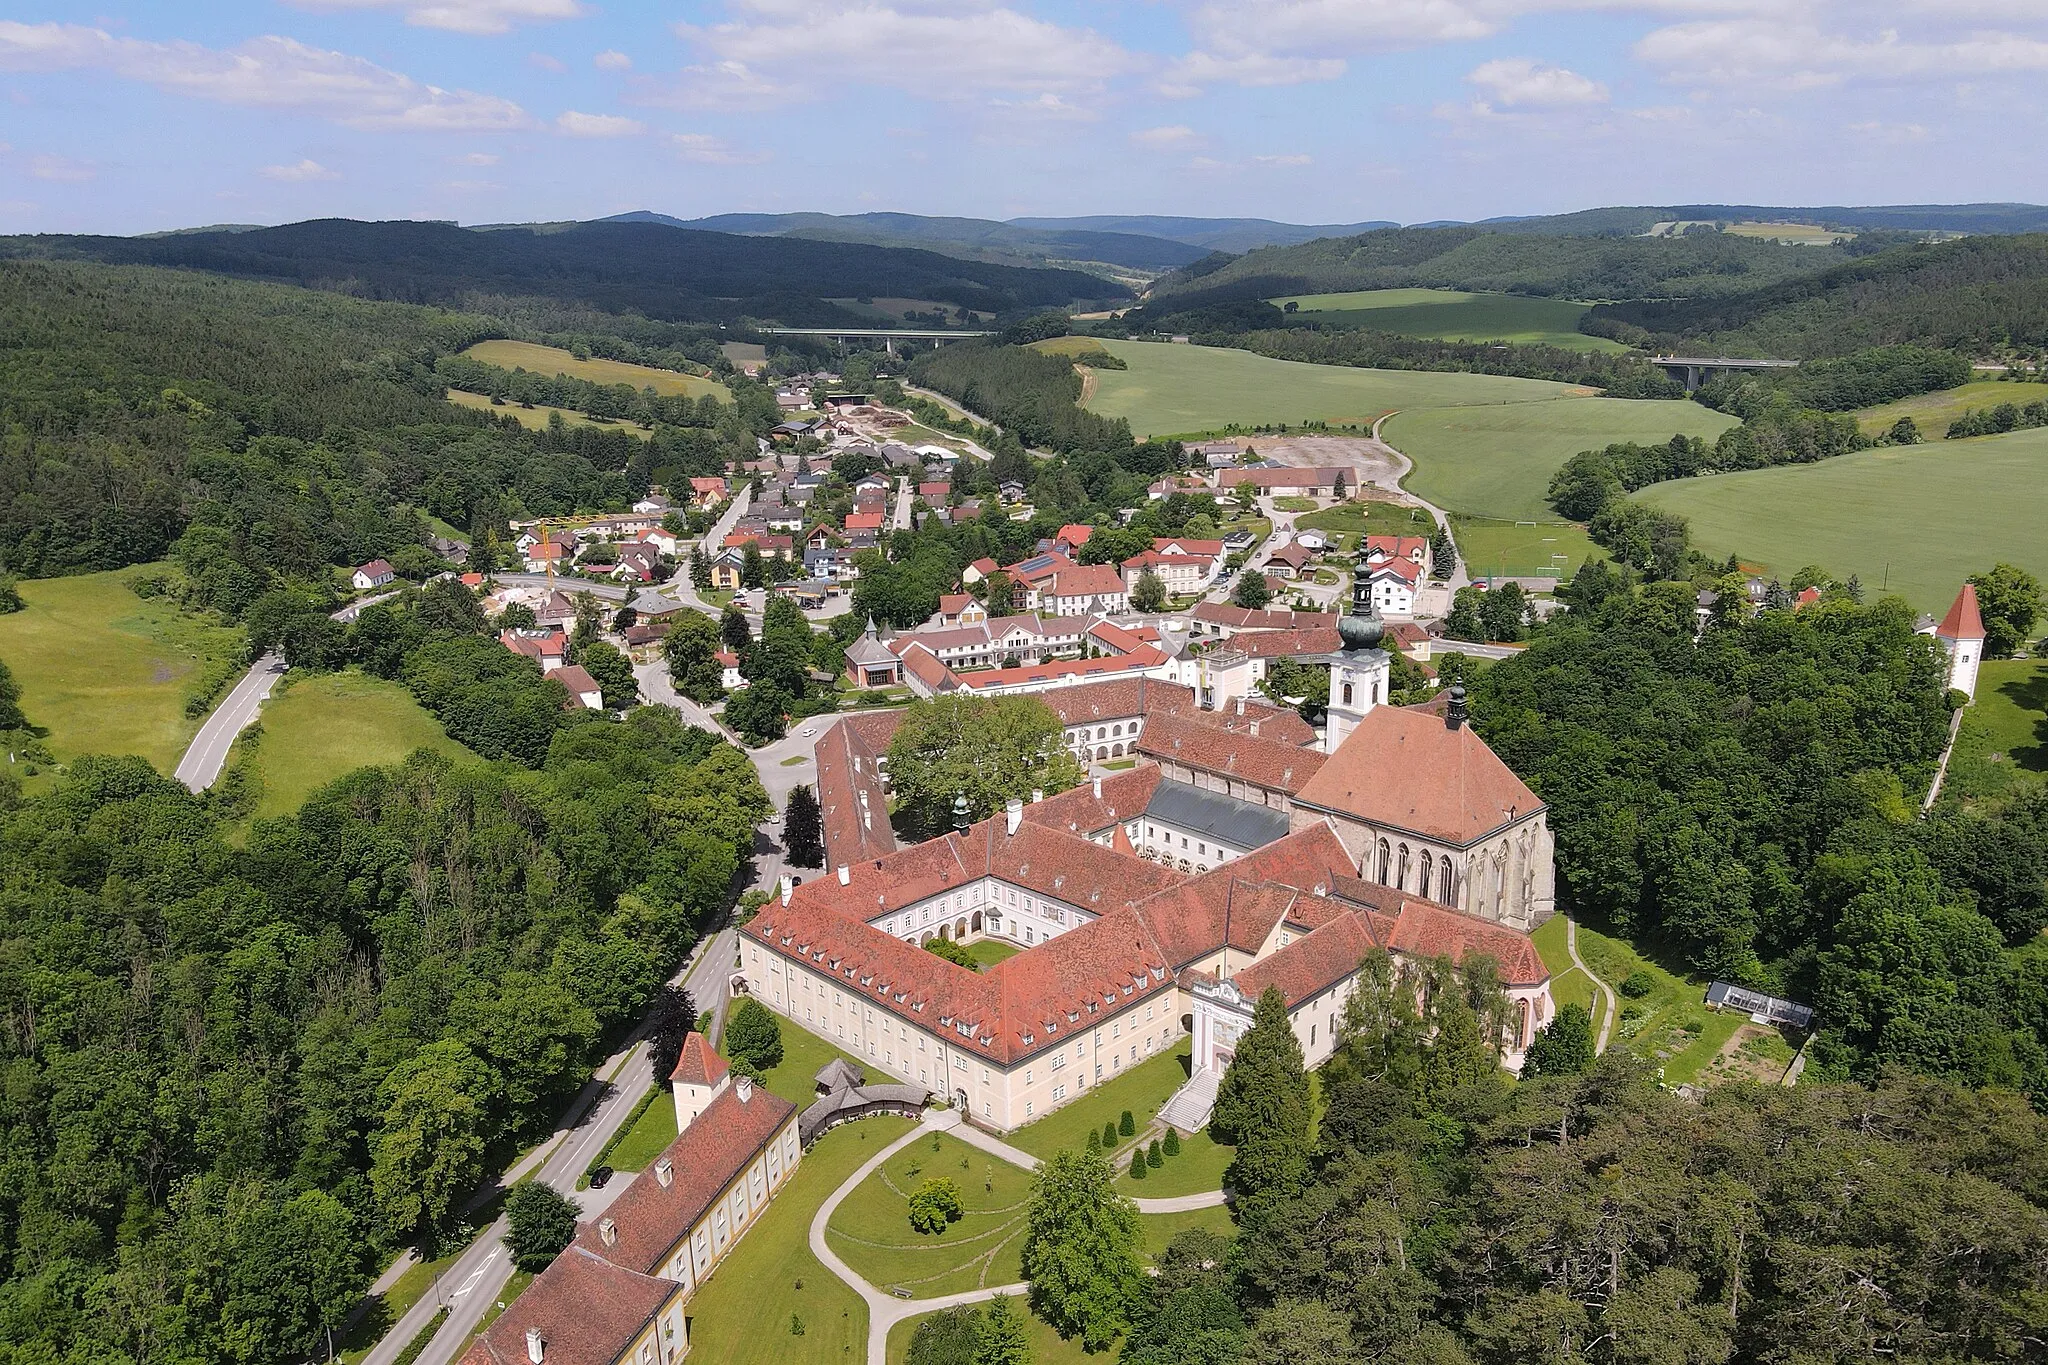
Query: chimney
{"points": [[665, 1172], [1098, 786], [1454, 714], [745, 1086], [845, 874], [1240, 706], [535, 1347], [788, 886], [1013, 814], [1037, 795], [608, 1232]]}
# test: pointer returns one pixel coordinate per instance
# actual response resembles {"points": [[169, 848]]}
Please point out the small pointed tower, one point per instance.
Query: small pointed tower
{"points": [[1358, 674], [699, 1075], [1961, 634]]}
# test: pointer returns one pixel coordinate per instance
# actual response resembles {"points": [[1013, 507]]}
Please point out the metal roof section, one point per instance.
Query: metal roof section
{"points": [[1225, 819]]}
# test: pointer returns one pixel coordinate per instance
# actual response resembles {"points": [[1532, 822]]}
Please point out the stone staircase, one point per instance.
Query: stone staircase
{"points": [[1189, 1108]]}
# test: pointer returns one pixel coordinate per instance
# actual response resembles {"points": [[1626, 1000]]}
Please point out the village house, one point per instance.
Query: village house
{"points": [[374, 574], [1393, 583], [1083, 589], [583, 689]]}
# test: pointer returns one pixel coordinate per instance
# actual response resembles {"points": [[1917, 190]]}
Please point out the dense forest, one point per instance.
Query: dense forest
{"points": [[272, 432], [1979, 296], [662, 272], [1037, 396], [245, 1066], [1710, 265], [1746, 800]]}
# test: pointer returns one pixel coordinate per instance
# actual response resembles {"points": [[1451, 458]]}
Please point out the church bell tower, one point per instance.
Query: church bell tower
{"points": [[1359, 672]]}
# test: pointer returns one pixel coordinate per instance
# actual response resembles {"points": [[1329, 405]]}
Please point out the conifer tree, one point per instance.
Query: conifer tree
{"points": [[1263, 1106], [1003, 1338], [803, 829]]}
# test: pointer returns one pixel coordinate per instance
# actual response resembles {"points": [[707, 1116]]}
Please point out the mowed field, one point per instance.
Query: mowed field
{"points": [[536, 417], [320, 727], [1187, 390], [1932, 412], [1497, 461], [552, 360], [105, 671], [1916, 518], [1454, 315], [1521, 549]]}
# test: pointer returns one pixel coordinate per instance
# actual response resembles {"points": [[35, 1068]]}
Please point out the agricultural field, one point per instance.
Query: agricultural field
{"points": [[1521, 549], [536, 418], [1454, 315], [2002, 748], [744, 353], [1497, 460], [1792, 234], [1190, 390], [107, 672], [1068, 346], [1913, 520], [1932, 412], [983, 1248], [552, 360], [317, 728], [743, 1314]]}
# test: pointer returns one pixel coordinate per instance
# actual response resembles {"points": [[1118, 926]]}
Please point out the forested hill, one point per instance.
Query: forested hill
{"points": [[1980, 295], [662, 272], [1703, 265]]}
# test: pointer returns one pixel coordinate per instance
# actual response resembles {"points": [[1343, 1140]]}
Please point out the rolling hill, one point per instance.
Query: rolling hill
{"points": [[967, 238], [659, 271]]}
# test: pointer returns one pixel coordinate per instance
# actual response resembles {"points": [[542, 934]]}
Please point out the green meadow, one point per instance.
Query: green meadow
{"points": [[319, 727], [1454, 315]]}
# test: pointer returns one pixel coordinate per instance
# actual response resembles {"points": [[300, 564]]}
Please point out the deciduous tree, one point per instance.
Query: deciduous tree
{"points": [[1081, 1249], [542, 1222]]}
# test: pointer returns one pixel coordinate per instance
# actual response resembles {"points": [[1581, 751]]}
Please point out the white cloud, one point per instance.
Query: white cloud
{"points": [[307, 169], [1187, 75], [60, 168], [1048, 107], [612, 60], [1805, 56], [463, 16], [543, 62], [706, 150], [263, 73], [787, 49], [1518, 82], [576, 124], [477, 159], [1287, 159], [1174, 135]]}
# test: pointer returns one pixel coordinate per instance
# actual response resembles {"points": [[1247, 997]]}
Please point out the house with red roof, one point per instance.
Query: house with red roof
{"points": [[1393, 583], [1083, 589], [1961, 636], [1069, 539], [374, 574]]}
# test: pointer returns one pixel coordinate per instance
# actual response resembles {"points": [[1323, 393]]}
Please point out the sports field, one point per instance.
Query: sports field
{"points": [[536, 417], [552, 360], [1188, 390], [1520, 549], [1932, 412], [1497, 461], [1914, 520], [107, 672], [319, 727], [1454, 315]]}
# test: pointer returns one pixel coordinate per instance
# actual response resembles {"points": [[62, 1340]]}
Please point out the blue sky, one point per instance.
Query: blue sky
{"points": [[142, 116]]}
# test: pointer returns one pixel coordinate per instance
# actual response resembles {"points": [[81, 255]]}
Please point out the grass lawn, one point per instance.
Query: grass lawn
{"points": [[742, 1314], [1968, 504], [1295, 504], [1197, 1170], [1670, 1026], [653, 1128], [744, 352], [1349, 520], [984, 1248], [1047, 1347], [107, 672], [1161, 1228], [988, 952], [1144, 1090], [804, 1055], [1184, 390], [1453, 315], [316, 728], [1932, 412], [1497, 461], [1521, 549], [1568, 985], [2002, 749], [536, 417], [552, 360]]}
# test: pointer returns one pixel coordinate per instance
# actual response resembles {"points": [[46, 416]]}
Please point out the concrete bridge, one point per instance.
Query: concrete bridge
{"points": [[1694, 371], [889, 336]]}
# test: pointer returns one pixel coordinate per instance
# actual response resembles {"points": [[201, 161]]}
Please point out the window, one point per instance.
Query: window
{"points": [[1027, 1109], [1347, 694], [1059, 1092], [1027, 1075]]}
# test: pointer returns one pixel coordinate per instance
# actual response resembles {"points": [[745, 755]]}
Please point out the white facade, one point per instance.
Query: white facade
{"points": [[1357, 684]]}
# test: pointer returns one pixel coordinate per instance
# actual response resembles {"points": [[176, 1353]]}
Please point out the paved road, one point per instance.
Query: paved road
{"points": [[208, 752], [472, 1284], [902, 519]]}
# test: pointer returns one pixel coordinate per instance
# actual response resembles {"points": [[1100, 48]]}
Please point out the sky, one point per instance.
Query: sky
{"points": [[145, 116]]}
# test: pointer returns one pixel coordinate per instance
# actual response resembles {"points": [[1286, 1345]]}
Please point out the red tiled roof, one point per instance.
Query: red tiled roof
{"points": [[1313, 963], [864, 521], [1400, 547], [1407, 570], [923, 665], [587, 1310], [698, 1064], [1245, 619], [1116, 637], [1257, 718], [1294, 556], [1426, 928], [376, 568], [1152, 559], [1086, 580], [1207, 549], [1080, 811], [1120, 699], [1263, 762], [576, 678], [1964, 621], [1451, 785], [1144, 656], [719, 1145], [847, 767], [951, 603], [1274, 644], [1075, 534], [1238, 903], [983, 566]]}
